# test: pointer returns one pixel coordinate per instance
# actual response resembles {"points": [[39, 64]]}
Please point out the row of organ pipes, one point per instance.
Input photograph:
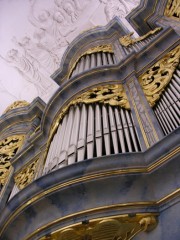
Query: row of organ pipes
{"points": [[167, 109], [139, 45], [98, 59], [89, 131], [93, 60]]}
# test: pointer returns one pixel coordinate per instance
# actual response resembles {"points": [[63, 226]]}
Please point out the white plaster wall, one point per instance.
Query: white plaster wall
{"points": [[34, 35]]}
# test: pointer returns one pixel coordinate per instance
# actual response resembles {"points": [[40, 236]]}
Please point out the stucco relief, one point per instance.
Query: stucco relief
{"points": [[50, 26], [119, 8], [28, 67]]}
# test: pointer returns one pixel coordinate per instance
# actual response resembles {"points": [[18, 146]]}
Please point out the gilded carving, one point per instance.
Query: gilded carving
{"points": [[8, 149], [172, 9], [126, 40], [156, 78], [16, 104], [26, 175], [100, 48], [117, 228], [108, 94]]}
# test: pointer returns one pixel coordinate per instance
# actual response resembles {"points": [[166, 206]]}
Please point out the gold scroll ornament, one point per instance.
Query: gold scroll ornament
{"points": [[173, 9], [113, 95], [100, 48], [156, 78], [16, 104], [8, 149], [126, 40], [26, 175], [117, 228]]}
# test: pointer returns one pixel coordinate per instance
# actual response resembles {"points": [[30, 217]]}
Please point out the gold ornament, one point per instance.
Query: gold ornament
{"points": [[26, 175], [173, 9], [156, 78], [126, 40], [8, 149], [114, 228], [16, 104]]}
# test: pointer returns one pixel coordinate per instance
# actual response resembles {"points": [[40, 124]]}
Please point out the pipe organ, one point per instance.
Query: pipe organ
{"points": [[90, 163], [92, 130]]}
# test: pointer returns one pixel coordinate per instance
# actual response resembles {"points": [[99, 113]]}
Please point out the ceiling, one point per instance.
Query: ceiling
{"points": [[34, 35]]}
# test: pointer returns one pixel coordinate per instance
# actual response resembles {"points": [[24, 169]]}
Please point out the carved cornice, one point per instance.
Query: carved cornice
{"points": [[16, 104], [121, 227], [8, 149], [126, 40], [155, 79]]}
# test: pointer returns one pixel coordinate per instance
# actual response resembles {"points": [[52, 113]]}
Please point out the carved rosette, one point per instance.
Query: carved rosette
{"points": [[127, 40], [16, 104], [8, 148], [117, 228], [26, 175], [156, 78]]}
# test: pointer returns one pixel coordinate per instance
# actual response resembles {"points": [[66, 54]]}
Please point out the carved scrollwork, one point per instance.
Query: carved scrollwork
{"points": [[26, 175], [113, 95], [100, 48], [117, 228], [8, 149], [16, 104], [126, 40], [155, 79], [172, 9]]}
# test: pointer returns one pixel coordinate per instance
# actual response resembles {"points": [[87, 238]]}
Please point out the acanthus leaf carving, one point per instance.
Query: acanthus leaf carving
{"points": [[8, 149], [172, 9], [116, 228], [156, 78], [26, 175], [127, 40]]}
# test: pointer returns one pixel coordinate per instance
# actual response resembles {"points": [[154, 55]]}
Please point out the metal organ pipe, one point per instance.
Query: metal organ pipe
{"points": [[98, 131], [81, 145], [113, 130], [91, 130], [74, 137]]}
